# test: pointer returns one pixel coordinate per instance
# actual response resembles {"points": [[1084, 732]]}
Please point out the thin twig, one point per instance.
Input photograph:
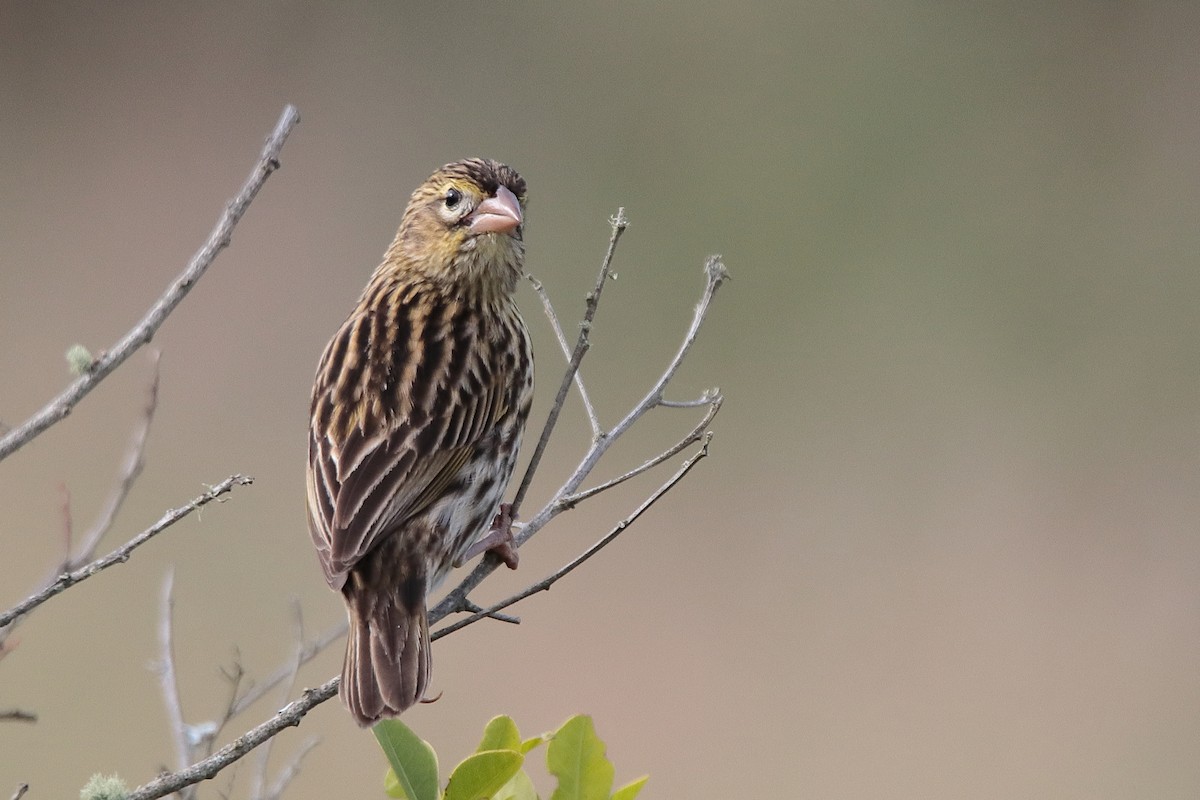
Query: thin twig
{"points": [[715, 275], [474, 607], [288, 716], [566, 351], [22, 788], [135, 461], [290, 770], [309, 651], [166, 675], [17, 715], [702, 400], [456, 598], [140, 334], [75, 557], [259, 780], [68, 520], [122, 553], [545, 584], [695, 435], [619, 223]]}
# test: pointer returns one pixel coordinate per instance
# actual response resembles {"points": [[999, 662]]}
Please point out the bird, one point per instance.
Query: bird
{"points": [[418, 407]]}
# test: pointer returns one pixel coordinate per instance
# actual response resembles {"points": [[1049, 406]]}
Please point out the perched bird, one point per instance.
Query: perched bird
{"points": [[418, 407]]}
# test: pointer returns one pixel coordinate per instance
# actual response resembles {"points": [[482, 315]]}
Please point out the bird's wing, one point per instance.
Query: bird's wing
{"points": [[366, 481]]}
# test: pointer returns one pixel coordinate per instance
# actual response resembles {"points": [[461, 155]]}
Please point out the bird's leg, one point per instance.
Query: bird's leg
{"points": [[499, 540]]}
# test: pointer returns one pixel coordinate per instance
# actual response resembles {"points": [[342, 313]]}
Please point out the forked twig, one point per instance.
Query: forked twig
{"points": [[715, 276], [240, 702], [618, 223], [697, 433], [548, 307], [545, 584]]}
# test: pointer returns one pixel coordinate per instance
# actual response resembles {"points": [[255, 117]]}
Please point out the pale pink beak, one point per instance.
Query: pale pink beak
{"points": [[499, 214]]}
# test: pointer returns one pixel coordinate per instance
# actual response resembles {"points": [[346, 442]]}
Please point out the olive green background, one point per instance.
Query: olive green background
{"points": [[946, 543]]}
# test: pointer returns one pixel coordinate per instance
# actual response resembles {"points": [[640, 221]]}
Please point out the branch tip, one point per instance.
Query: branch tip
{"points": [[716, 270]]}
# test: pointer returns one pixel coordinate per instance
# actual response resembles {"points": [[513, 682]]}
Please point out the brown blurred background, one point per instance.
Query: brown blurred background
{"points": [[946, 544]]}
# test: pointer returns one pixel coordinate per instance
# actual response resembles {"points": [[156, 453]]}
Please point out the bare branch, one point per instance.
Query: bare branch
{"points": [[135, 461], [166, 675], [696, 434], [545, 584], [473, 608], [17, 715], [144, 331], [566, 350], [715, 274], [68, 526], [288, 716], [456, 599], [290, 770], [702, 400], [75, 557], [307, 652], [619, 223], [120, 555], [259, 784]]}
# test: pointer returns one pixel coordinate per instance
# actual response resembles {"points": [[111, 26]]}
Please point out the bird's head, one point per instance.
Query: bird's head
{"points": [[464, 225]]}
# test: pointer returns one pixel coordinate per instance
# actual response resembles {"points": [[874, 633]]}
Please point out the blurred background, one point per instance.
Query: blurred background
{"points": [[946, 543]]}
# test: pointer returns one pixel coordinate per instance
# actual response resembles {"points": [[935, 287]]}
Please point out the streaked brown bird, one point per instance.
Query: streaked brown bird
{"points": [[417, 412]]}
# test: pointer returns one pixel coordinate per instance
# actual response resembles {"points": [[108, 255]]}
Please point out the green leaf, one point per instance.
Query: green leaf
{"points": [[519, 787], [531, 743], [391, 785], [576, 757], [414, 764], [479, 776], [500, 734], [631, 789]]}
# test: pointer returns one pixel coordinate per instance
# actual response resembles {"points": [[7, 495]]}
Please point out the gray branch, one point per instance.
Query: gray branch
{"points": [[122, 553], [619, 223], [135, 461], [76, 557], [58, 408], [545, 584], [715, 274], [548, 307], [170, 683], [287, 717]]}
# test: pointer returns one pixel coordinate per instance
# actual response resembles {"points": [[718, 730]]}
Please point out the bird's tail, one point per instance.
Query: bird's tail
{"points": [[387, 664]]}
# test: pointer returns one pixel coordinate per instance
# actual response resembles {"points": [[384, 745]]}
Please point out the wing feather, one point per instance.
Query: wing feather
{"points": [[370, 472]]}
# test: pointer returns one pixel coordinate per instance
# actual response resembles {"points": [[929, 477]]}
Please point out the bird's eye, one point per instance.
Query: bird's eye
{"points": [[453, 197]]}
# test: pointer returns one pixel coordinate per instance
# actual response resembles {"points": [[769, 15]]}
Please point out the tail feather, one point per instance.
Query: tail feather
{"points": [[387, 664]]}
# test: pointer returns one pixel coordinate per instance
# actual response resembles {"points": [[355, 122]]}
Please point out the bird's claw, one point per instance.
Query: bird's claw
{"points": [[498, 540]]}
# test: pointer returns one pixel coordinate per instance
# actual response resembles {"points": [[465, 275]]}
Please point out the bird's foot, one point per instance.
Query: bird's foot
{"points": [[498, 540]]}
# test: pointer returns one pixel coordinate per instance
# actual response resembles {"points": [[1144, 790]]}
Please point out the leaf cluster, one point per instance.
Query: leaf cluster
{"points": [[575, 755]]}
